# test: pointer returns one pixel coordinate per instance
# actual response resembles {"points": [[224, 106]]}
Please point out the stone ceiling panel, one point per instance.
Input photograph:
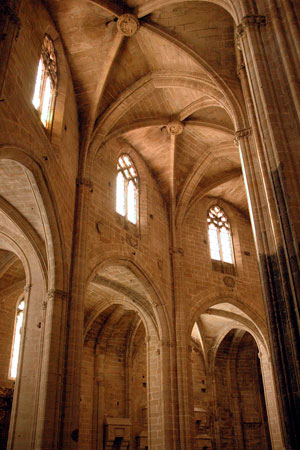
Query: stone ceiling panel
{"points": [[16, 188], [213, 115], [130, 65], [163, 55], [205, 27]]}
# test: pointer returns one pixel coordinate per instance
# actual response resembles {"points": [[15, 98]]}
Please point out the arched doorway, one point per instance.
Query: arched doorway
{"points": [[233, 393], [241, 415], [116, 342], [123, 397], [28, 270]]}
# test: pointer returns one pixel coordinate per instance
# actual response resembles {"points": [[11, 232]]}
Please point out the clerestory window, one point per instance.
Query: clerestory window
{"points": [[127, 189], [16, 340], [220, 241], [46, 83]]}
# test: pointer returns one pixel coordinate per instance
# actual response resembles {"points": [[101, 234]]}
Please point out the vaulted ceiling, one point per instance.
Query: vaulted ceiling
{"points": [[180, 65]]}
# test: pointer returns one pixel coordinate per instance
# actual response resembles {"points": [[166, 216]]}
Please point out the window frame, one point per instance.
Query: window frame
{"points": [[20, 300], [136, 181], [49, 71], [220, 265]]}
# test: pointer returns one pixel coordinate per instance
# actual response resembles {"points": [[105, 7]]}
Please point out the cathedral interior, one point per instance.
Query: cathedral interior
{"points": [[149, 224]]}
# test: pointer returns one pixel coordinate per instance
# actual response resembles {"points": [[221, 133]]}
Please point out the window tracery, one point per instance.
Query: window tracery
{"points": [[127, 189], [46, 83], [220, 241]]}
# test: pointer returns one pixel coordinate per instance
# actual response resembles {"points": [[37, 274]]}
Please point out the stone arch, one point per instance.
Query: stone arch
{"points": [[267, 390], [121, 285], [31, 222], [236, 9], [247, 322], [35, 288], [217, 89], [213, 298], [156, 305], [56, 267]]}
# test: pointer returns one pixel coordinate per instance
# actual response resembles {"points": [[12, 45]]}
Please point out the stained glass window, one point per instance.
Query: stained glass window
{"points": [[219, 232], [17, 340], [127, 189], [46, 83]]}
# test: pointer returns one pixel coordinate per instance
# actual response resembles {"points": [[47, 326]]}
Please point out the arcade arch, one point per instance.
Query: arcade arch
{"points": [[233, 384], [126, 379], [27, 270]]}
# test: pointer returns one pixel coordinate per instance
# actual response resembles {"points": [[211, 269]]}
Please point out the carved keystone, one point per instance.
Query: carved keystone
{"points": [[175, 127], [128, 24]]}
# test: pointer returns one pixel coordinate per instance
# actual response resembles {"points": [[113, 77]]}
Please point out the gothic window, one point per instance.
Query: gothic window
{"points": [[16, 340], [127, 189], [220, 242], [46, 83]]}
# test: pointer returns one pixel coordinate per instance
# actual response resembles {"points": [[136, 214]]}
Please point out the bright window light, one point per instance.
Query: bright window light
{"points": [[127, 189], [46, 83], [121, 194], [46, 102], [219, 233], [36, 97], [17, 340], [214, 242], [226, 245], [131, 199]]}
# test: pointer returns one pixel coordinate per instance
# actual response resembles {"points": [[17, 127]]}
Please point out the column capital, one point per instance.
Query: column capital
{"points": [[239, 134], [52, 295], [84, 182], [166, 343], [240, 68], [27, 288], [176, 250], [128, 25], [250, 20]]}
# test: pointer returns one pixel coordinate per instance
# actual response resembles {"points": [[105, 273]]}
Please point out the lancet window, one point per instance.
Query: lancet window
{"points": [[16, 340], [220, 240], [46, 83], [127, 189]]}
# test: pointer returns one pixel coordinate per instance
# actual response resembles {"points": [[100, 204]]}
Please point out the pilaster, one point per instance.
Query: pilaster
{"points": [[54, 308], [75, 321], [267, 161]]}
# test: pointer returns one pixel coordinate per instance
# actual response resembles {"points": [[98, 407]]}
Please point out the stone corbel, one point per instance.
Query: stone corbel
{"points": [[174, 250], [240, 68], [238, 135], [85, 183], [53, 295], [247, 21], [27, 289]]}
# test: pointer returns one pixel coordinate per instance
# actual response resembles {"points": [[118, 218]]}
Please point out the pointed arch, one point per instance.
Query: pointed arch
{"points": [[56, 267]]}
